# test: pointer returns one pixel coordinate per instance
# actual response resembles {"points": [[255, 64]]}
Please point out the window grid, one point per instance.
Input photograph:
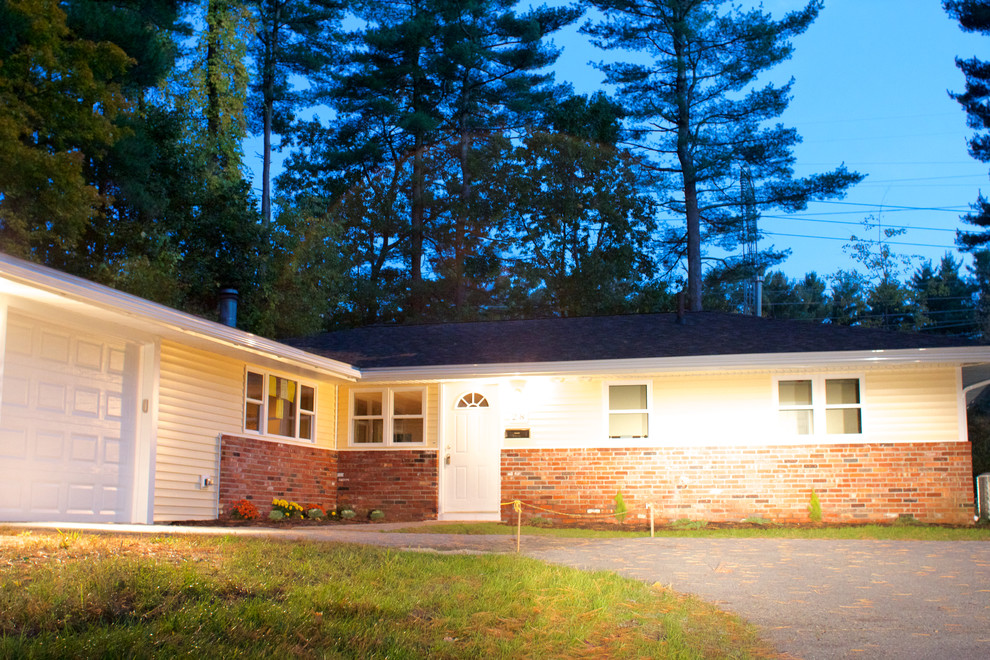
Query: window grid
{"points": [[279, 406]]}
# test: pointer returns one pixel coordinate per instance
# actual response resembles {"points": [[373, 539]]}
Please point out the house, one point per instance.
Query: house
{"points": [[118, 409]]}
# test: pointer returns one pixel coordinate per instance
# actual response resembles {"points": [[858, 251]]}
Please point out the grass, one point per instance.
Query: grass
{"points": [[892, 532], [103, 595]]}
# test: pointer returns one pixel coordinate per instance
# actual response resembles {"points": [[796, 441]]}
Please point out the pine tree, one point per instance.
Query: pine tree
{"points": [[695, 109], [974, 16], [427, 93], [291, 37], [581, 226]]}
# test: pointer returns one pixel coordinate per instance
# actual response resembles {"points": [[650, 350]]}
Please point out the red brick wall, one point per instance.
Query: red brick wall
{"points": [[855, 483], [260, 471], [401, 483]]}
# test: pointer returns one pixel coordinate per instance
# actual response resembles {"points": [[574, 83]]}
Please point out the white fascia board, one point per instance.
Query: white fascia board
{"points": [[28, 278], [815, 360]]}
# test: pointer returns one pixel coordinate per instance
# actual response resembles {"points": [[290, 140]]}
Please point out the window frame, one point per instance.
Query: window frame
{"points": [[262, 431], [819, 405], [388, 417], [606, 406]]}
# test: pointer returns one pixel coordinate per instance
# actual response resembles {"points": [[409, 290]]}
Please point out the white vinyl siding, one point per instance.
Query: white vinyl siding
{"points": [[899, 404], [915, 405], [201, 396]]}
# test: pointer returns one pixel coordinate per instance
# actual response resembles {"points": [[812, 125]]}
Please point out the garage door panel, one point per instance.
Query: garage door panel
{"points": [[13, 443], [49, 446], [54, 347], [16, 392], [89, 355], [66, 437], [45, 497], [51, 397], [20, 338]]}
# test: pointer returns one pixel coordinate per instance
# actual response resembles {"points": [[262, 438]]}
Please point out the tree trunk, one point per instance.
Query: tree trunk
{"points": [[688, 173], [460, 238]]}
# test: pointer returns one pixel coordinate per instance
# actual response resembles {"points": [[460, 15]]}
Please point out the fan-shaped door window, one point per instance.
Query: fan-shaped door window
{"points": [[472, 400]]}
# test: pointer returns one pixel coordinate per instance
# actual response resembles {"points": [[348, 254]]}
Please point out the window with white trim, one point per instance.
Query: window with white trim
{"points": [[388, 417], [819, 405], [628, 410], [276, 405]]}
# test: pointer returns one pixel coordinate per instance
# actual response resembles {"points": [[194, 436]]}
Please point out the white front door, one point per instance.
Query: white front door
{"points": [[66, 424], [470, 453]]}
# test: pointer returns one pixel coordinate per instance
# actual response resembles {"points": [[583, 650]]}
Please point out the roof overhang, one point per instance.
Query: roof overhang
{"points": [[687, 364], [43, 285]]}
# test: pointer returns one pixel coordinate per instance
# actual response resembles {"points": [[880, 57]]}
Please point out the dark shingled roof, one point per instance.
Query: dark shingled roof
{"points": [[599, 338]]}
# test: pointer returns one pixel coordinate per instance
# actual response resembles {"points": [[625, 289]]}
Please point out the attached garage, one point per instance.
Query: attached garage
{"points": [[112, 407], [67, 424]]}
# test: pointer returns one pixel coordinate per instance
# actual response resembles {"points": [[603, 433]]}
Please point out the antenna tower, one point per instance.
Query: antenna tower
{"points": [[753, 298]]}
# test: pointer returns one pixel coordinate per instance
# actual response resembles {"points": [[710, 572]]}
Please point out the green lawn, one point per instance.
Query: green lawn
{"points": [[893, 532], [106, 595]]}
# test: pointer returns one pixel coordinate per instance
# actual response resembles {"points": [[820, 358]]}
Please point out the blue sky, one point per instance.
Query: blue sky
{"points": [[871, 83]]}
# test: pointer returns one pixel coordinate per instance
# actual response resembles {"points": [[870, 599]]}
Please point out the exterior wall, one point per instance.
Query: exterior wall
{"points": [[855, 482], [901, 404], [201, 396], [259, 470], [402, 483]]}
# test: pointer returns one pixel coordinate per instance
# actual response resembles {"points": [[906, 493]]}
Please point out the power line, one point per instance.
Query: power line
{"points": [[854, 224], [946, 209], [835, 238]]}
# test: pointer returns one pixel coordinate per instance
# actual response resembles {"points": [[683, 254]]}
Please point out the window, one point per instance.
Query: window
{"points": [[388, 417], [275, 405], [820, 405], [629, 410]]}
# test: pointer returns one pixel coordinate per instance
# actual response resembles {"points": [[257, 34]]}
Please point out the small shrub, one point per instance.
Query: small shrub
{"points": [[814, 508], [757, 519], [275, 514], [315, 512], [687, 523], [540, 521], [346, 513], [376, 515], [243, 510], [620, 507]]}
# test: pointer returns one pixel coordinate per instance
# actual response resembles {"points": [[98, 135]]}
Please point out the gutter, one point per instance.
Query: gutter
{"points": [[76, 289], [818, 359]]}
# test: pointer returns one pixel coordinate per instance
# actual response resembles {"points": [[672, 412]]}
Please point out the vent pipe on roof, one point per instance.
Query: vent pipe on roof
{"points": [[680, 308], [228, 307]]}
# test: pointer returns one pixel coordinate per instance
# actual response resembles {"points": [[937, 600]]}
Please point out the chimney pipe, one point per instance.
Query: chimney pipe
{"points": [[228, 307], [680, 308]]}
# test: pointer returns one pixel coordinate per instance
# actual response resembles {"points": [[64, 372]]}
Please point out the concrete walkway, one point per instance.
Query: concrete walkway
{"points": [[812, 599]]}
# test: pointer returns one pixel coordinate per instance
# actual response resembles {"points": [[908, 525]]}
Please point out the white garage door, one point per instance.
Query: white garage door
{"points": [[66, 425]]}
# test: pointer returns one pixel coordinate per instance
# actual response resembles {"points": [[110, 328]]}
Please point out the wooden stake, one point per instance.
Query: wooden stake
{"points": [[517, 505], [650, 507]]}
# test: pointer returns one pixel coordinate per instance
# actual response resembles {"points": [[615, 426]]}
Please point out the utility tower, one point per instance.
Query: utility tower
{"points": [[753, 297]]}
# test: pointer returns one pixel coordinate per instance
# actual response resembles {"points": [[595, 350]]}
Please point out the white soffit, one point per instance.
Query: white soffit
{"points": [[688, 364], [40, 284]]}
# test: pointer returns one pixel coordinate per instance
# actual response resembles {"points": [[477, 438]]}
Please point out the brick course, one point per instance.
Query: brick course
{"points": [[854, 482], [259, 471], [403, 483]]}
